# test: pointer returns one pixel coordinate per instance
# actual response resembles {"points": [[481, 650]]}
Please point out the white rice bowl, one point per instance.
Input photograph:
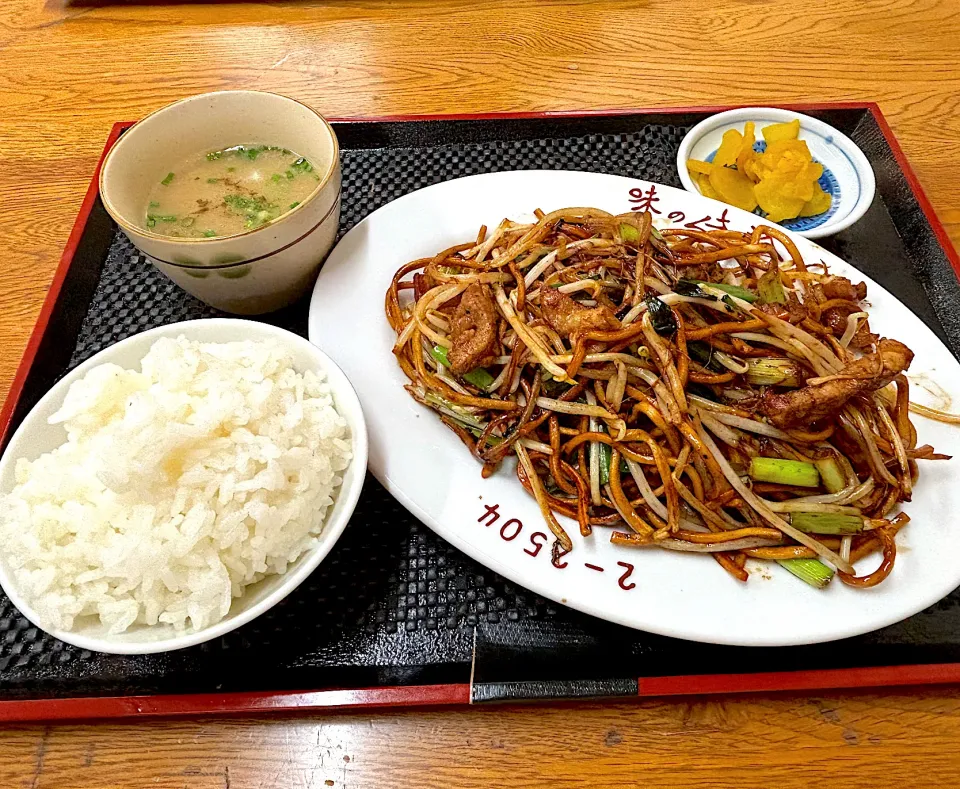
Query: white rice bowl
{"points": [[179, 485]]}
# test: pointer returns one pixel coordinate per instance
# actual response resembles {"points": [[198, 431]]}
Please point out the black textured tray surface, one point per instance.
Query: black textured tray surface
{"points": [[393, 603]]}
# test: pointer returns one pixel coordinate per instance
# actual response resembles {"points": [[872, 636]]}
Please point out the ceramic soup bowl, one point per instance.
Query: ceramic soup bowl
{"points": [[251, 272]]}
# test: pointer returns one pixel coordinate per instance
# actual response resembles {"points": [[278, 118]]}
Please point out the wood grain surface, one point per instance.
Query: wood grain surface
{"points": [[904, 739], [67, 72]]}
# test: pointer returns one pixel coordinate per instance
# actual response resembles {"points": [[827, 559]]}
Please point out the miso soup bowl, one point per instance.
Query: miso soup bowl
{"points": [[249, 273]]}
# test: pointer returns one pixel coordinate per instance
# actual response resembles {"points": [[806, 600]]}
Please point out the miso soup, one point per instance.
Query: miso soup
{"points": [[230, 191]]}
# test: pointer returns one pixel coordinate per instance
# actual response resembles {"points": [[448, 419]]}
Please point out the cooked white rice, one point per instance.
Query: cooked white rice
{"points": [[178, 486]]}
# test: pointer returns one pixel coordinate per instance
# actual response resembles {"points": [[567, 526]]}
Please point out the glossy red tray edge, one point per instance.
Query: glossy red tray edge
{"points": [[87, 708], [94, 708], [437, 695]]}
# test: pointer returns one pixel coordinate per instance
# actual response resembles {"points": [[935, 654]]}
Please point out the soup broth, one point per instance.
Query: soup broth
{"points": [[229, 191]]}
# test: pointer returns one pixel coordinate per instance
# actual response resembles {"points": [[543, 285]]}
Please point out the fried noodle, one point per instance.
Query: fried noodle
{"points": [[615, 361]]}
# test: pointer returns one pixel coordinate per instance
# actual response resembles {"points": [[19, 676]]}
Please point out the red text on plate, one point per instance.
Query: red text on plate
{"points": [[644, 199], [512, 528]]}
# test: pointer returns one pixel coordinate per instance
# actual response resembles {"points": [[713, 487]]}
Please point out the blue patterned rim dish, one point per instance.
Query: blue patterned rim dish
{"points": [[847, 175]]}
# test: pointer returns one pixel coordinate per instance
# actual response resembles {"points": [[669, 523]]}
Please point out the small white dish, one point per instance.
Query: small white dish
{"points": [[36, 436], [847, 175]]}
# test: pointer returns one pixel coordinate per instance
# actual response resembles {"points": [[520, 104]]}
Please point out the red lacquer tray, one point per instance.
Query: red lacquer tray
{"points": [[415, 622]]}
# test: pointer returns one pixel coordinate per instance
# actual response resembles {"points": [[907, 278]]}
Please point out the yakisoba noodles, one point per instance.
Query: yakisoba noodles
{"points": [[708, 392]]}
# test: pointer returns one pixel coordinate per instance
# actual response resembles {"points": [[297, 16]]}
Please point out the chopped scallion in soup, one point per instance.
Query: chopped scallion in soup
{"points": [[230, 191]]}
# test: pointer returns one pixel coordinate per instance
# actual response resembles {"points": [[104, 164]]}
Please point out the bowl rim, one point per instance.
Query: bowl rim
{"points": [[341, 388], [140, 231], [856, 156]]}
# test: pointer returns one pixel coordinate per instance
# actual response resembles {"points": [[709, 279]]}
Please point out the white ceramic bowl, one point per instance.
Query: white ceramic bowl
{"points": [[35, 436], [248, 273], [847, 175]]}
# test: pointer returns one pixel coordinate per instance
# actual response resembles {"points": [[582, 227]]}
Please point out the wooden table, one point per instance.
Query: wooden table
{"points": [[69, 72]]}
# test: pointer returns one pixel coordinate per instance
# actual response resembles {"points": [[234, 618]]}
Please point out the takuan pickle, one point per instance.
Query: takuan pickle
{"points": [[783, 180]]}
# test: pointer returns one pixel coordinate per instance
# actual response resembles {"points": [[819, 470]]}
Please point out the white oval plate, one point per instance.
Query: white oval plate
{"points": [[426, 467]]}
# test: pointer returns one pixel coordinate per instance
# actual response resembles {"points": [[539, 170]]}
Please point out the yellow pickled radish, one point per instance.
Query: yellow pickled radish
{"points": [[790, 183], [814, 171], [789, 149], [703, 183], [819, 203], [776, 205], [783, 180], [734, 187], [782, 131], [746, 147], [751, 168], [729, 148], [696, 167]]}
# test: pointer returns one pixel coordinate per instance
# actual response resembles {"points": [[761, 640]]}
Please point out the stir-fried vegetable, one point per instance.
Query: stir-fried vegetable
{"points": [[629, 233], [700, 289], [826, 523], [699, 391], [811, 571], [784, 472], [661, 316], [831, 474], [478, 377], [774, 372], [702, 353], [770, 287]]}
